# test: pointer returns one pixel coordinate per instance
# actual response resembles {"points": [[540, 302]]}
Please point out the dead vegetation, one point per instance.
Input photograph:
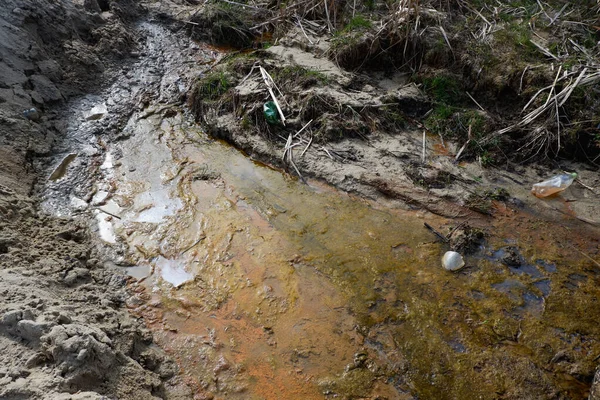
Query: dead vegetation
{"points": [[512, 74]]}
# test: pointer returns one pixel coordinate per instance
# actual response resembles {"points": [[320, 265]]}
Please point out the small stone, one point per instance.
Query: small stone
{"points": [[78, 204], [63, 319], [31, 330], [35, 360]]}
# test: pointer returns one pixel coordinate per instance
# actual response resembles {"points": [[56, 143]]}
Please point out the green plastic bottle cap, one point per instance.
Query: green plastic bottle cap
{"points": [[573, 174]]}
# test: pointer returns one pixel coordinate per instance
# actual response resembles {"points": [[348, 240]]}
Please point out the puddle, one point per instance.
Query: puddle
{"points": [[173, 271], [61, 169], [261, 287], [543, 286], [105, 227], [139, 272], [549, 267]]}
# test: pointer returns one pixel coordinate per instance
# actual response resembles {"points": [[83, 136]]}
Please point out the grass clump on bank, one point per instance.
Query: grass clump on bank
{"points": [[501, 55], [211, 93]]}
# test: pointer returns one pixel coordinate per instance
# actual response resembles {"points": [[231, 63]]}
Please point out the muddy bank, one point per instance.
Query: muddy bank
{"points": [[362, 133], [259, 285], [64, 328]]}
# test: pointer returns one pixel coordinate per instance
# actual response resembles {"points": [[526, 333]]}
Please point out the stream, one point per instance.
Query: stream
{"points": [[263, 287]]}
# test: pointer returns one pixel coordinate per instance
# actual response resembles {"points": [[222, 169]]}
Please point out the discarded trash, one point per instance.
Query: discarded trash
{"points": [[553, 185], [270, 110], [32, 114], [452, 261]]}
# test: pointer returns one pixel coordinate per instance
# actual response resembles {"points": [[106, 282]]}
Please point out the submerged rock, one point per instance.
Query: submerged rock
{"points": [[32, 114]]}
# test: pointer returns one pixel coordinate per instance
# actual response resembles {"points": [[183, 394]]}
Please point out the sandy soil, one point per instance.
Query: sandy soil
{"points": [[65, 331]]}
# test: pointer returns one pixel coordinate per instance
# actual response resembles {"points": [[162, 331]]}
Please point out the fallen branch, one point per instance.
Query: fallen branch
{"points": [[424, 146], [475, 101], [439, 235]]}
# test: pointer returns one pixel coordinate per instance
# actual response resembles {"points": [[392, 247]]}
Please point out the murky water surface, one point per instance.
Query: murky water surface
{"points": [[262, 287]]}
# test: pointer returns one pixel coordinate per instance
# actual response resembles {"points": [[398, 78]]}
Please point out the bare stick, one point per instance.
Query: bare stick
{"points": [[464, 145], [449, 236], [303, 128], [461, 150], [557, 124], [586, 186], [307, 146], [522, 76], [585, 255], [544, 50], [436, 233], [534, 97], [558, 14], [202, 237], [544, 11], [424, 146], [288, 145], [302, 28], [265, 76], [109, 213], [446, 39], [552, 89], [568, 94], [242, 5], [475, 101], [329, 26]]}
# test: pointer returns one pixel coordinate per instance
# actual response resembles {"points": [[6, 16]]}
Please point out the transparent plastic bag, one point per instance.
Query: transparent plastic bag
{"points": [[553, 185]]}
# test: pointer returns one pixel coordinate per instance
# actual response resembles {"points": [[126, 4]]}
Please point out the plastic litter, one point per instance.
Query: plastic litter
{"points": [[452, 261], [553, 185], [270, 110], [32, 114]]}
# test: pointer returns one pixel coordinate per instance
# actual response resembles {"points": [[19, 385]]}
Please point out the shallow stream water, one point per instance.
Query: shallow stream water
{"points": [[262, 287]]}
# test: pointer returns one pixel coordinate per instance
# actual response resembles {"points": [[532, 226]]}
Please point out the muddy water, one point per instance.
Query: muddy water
{"points": [[262, 287], [265, 279]]}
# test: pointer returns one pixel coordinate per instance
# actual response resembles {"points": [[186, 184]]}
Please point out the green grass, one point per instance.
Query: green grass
{"points": [[517, 35], [359, 22], [438, 120], [294, 77], [443, 89], [213, 85], [298, 72]]}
